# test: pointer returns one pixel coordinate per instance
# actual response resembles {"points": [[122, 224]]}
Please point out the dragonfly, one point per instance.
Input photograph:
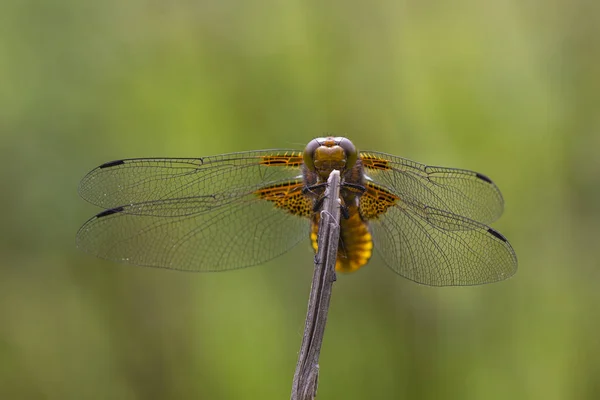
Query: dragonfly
{"points": [[429, 224]]}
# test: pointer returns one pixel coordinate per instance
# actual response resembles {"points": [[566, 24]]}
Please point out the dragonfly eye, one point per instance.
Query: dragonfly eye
{"points": [[309, 154], [350, 150]]}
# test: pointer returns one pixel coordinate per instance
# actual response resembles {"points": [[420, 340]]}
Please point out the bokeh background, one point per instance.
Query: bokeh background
{"points": [[506, 88]]}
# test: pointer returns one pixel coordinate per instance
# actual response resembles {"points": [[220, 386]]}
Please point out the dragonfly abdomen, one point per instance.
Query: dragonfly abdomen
{"points": [[355, 244]]}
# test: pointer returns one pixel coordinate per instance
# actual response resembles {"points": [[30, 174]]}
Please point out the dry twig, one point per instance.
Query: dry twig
{"points": [[306, 377]]}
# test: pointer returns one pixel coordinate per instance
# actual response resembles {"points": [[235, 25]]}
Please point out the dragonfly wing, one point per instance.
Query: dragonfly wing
{"points": [[197, 214], [438, 248], [244, 232], [211, 181], [458, 191]]}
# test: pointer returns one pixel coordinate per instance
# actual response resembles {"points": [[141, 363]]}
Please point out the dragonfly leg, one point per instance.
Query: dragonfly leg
{"points": [[311, 188], [344, 211], [354, 187]]}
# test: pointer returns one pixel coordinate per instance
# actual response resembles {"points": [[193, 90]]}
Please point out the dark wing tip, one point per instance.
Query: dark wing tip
{"points": [[483, 177], [112, 164], [497, 234], [110, 211]]}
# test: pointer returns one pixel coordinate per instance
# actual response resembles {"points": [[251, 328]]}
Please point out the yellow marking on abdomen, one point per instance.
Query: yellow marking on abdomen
{"points": [[355, 246]]}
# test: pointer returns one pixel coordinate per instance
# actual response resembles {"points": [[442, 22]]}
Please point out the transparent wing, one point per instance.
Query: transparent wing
{"points": [[245, 232], [458, 191], [214, 180], [438, 248], [206, 214]]}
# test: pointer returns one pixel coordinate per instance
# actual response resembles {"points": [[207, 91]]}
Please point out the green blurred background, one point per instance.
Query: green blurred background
{"points": [[509, 89]]}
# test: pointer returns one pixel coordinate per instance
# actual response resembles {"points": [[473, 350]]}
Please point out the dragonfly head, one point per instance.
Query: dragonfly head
{"points": [[323, 155]]}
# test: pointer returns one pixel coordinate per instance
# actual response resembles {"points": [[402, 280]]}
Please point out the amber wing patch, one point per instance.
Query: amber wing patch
{"points": [[370, 161], [291, 159], [288, 196], [375, 201]]}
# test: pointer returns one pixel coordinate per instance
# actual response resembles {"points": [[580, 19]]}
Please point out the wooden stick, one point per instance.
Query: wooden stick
{"points": [[304, 386]]}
